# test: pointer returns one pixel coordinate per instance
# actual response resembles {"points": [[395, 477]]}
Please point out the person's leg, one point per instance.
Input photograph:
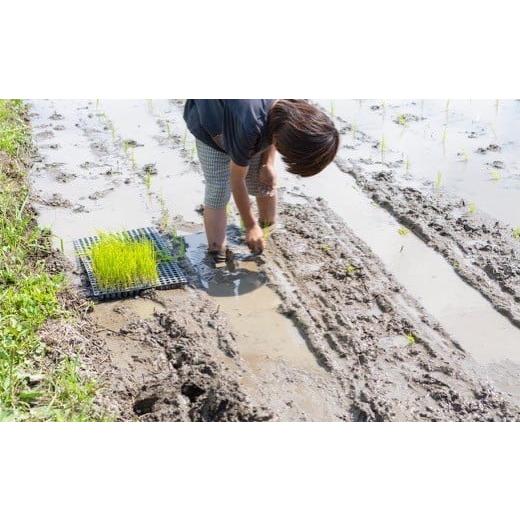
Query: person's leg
{"points": [[215, 221], [215, 166], [266, 201]]}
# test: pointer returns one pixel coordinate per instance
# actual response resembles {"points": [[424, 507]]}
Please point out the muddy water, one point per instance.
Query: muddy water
{"points": [[445, 140], [462, 311], [272, 347]]}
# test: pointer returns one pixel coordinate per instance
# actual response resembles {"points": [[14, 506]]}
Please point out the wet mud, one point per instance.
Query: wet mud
{"points": [[317, 329]]}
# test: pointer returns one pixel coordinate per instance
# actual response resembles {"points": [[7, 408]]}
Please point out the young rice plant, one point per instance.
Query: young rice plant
{"points": [[119, 261]]}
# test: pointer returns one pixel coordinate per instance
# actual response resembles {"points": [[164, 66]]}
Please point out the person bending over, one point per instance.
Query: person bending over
{"points": [[237, 141]]}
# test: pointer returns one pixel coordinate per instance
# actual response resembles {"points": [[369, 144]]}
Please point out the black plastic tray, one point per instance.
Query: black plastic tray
{"points": [[170, 274]]}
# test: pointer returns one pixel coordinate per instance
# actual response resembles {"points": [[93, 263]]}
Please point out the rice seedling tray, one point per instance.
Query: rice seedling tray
{"points": [[170, 275]]}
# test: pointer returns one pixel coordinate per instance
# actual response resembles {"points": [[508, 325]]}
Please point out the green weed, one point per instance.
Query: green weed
{"points": [[472, 208], [403, 231], [119, 261], [13, 134], [516, 233]]}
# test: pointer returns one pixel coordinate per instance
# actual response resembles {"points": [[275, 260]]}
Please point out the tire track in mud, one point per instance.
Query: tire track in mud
{"points": [[396, 362]]}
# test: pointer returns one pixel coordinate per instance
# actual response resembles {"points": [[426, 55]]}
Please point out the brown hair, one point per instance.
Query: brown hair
{"points": [[304, 135]]}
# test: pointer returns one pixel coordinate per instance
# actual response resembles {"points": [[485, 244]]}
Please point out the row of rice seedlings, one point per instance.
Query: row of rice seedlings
{"points": [[119, 261]]}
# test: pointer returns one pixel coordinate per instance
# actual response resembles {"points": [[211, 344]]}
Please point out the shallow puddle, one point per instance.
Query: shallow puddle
{"points": [[269, 343]]}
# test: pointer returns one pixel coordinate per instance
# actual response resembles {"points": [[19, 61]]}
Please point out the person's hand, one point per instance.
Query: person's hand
{"points": [[268, 178], [255, 239]]}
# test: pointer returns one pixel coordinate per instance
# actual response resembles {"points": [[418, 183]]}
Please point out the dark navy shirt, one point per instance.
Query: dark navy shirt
{"points": [[237, 127]]}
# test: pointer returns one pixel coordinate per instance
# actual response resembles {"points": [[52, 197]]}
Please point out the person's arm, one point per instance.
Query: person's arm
{"points": [[254, 235], [268, 176]]}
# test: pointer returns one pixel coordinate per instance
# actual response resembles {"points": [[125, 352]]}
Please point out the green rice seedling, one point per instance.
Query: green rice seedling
{"points": [[119, 261], [148, 180], [464, 155], [350, 269], [332, 108], [184, 139], [444, 134], [353, 128], [472, 208], [193, 152], [438, 181], [168, 130], [383, 147], [410, 338], [403, 231], [496, 175], [266, 231], [401, 120], [516, 233], [325, 248], [407, 166], [492, 128], [447, 108], [165, 214], [132, 158], [178, 241]]}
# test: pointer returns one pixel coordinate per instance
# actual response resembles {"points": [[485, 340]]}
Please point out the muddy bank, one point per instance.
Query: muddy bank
{"points": [[482, 250], [167, 356], [394, 360]]}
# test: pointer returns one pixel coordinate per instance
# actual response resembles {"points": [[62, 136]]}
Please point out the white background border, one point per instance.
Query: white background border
{"points": [[441, 49]]}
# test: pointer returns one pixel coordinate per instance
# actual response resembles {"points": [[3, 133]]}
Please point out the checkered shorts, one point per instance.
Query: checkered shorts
{"points": [[215, 166]]}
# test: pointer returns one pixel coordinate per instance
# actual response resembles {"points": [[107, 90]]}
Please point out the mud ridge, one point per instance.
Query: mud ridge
{"points": [[394, 360], [480, 249]]}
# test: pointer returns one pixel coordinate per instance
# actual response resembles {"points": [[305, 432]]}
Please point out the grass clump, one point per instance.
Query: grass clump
{"points": [[120, 261], [29, 297], [13, 134], [516, 233]]}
